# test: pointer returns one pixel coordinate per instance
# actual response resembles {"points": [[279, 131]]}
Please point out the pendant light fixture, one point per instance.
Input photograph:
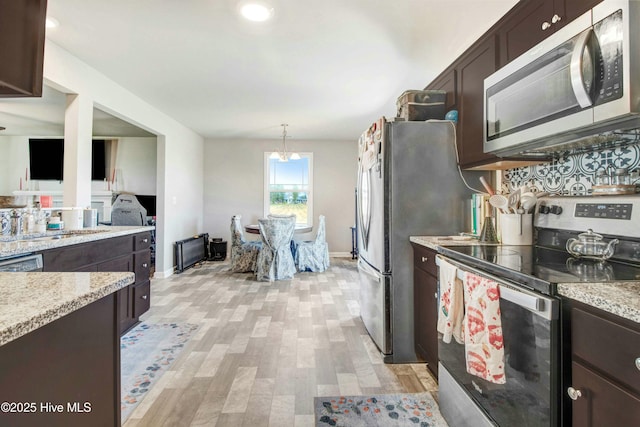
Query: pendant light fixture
{"points": [[284, 155]]}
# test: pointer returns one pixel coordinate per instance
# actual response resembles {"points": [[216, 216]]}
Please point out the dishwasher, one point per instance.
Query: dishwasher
{"points": [[31, 262]]}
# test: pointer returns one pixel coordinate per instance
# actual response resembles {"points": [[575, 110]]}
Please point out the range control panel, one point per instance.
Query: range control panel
{"points": [[604, 210], [615, 215]]}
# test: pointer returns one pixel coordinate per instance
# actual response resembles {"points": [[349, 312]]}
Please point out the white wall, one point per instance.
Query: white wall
{"points": [[179, 163], [136, 159], [234, 184]]}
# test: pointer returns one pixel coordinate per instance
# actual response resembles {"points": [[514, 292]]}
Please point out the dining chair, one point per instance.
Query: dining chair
{"points": [[244, 255], [313, 255], [275, 260]]}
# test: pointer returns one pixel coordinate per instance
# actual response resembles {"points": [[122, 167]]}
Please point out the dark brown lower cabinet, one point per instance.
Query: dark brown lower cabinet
{"points": [[66, 373], [425, 305], [605, 369], [124, 253]]}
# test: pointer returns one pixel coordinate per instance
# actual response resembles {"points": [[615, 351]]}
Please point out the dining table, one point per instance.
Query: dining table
{"points": [[299, 229]]}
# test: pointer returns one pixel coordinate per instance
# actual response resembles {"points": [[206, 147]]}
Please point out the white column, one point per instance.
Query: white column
{"points": [[78, 128]]}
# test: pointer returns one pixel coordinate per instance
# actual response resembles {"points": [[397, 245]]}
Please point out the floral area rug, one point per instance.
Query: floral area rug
{"points": [[383, 410], [146, 352]]}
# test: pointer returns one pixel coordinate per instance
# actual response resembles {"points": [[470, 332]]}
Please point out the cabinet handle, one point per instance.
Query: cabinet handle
{"points": [[573, 393], [425, 259], [638, 363], [556, 18], [144, 297], [545, 26], [435, 295], [145, 240], [145, 265]]}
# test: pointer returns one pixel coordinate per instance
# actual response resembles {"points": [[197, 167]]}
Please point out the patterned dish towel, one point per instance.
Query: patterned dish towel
{"points": [[451, 306], [484, 345]]}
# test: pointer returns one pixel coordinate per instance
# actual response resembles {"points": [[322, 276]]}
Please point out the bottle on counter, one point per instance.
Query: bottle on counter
{"points": [[29, 222], [40, 219]]}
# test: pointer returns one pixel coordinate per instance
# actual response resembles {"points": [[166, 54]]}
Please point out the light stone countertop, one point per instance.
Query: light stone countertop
{"points": [[432, 242], [29, 301], [619, 298], [12, 246], [622, 298]]}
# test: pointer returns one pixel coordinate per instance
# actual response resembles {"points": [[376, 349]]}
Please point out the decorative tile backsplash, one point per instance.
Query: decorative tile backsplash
{"points": [[572, 174]]}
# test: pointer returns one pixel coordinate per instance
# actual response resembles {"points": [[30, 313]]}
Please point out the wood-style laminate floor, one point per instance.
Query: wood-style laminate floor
{"points": [[264, 350]]}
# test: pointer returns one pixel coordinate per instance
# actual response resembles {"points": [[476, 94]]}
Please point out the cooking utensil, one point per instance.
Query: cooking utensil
{"points": [[487, 186], [513, 200], [528, 201], [499, 202]]}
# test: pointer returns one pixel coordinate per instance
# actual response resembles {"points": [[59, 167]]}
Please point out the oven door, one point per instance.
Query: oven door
{"points": [[531, 395]]}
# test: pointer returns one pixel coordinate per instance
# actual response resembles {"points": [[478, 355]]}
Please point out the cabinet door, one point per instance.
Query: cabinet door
{"points": [[573, 9], [22, 35], [142, 265], [601, 403], [447, 82], [141, 298], [425, 288], [522, 29], [473, 68]]}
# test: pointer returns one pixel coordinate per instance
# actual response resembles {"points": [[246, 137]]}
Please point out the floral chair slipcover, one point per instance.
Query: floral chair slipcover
{"points": [[275, 260], [243, 254], [314, 255]]}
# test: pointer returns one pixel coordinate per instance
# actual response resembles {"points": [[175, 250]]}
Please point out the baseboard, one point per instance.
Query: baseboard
{"points": [[164, 274], [340, 254]]}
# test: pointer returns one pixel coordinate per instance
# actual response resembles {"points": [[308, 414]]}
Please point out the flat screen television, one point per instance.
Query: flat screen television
{"points": [[46, 159], [148, 202]]}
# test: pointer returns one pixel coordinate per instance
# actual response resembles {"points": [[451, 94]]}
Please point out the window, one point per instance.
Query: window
{"points": [[289, 187]]}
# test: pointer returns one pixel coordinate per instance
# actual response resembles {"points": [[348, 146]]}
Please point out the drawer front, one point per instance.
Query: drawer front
{"points": [[142, 266], [77, 257], [601, 403], [141, 298], [612, 348], [141, 241], [425, 259]]}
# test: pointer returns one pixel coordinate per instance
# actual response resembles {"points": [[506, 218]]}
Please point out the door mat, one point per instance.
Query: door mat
{"points": [[146, 352], [409, 409]]}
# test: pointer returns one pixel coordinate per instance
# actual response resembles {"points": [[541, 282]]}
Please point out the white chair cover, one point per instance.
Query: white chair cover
{"points": [[314, 255], [243, 254], [275, 260]]}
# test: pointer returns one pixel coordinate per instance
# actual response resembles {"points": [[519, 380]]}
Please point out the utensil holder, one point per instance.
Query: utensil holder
{"points": [[516, 229]]}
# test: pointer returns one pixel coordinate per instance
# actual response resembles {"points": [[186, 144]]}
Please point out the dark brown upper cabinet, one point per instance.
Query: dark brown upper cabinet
{"points": [[22, 35], [531, 21], [525, 25], [473, 67]]}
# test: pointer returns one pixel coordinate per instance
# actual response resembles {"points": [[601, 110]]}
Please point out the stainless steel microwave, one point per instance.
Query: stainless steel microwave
{"points": [[578, 89]]}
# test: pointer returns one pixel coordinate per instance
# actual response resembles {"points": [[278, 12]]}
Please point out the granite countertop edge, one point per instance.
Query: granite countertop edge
{"points": [[14, 247], [103, 284], [619, 298]]}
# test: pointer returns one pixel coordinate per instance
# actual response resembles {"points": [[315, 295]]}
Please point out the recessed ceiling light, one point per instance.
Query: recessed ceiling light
{"points": [[257, 12], [52, 22]]}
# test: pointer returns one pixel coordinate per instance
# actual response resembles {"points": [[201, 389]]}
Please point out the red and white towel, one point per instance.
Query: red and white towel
{"points": [[484, 345], [451, 306]]}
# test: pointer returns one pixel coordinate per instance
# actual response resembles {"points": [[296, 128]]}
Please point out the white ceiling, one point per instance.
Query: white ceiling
{"points": [[327, 68]]}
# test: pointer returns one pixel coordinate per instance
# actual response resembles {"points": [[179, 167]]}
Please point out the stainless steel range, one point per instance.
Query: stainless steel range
{"points": [[535, 353]]}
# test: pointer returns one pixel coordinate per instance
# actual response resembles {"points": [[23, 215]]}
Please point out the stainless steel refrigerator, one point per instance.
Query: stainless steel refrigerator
{"points": [[408, 184]]}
